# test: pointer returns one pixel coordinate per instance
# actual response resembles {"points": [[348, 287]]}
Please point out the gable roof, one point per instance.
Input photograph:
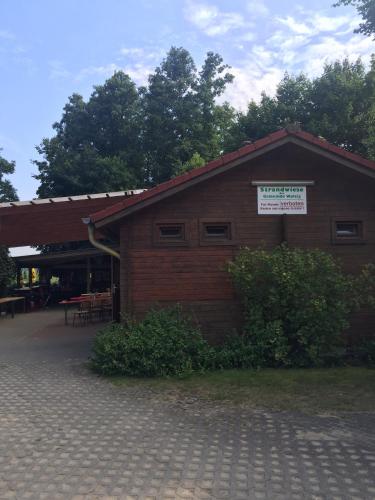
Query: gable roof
{"points": [[230, 160]]}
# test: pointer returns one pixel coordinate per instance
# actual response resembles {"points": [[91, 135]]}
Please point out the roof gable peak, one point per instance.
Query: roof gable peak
{"points": [[291, 133]]}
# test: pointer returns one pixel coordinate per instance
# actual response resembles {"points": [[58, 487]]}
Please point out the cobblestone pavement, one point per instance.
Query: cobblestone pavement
{"points": [[65, 433]]}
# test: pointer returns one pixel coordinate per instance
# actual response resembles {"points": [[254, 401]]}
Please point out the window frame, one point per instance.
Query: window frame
{"points": [[348, 240], [159, 241], [216, 221]]}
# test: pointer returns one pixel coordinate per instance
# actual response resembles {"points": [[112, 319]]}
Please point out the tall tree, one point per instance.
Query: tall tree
{"points": [[7, 191], [7, 270], [214, 119], [124, 137], [181, 115], [366, 9], [97, 146], [338, 105], [340, 99]]}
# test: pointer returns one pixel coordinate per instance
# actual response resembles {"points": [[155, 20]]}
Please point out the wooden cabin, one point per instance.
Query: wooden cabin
{"points": [[176, 238]]}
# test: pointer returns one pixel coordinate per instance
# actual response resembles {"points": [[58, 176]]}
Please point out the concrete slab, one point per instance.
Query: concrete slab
{"points": [[42, 335]]}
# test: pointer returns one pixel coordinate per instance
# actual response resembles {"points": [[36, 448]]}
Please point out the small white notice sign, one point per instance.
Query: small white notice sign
{"points": [[278, 200]]}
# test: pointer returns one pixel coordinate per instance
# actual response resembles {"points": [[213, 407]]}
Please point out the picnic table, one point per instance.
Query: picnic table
{"points": [[12, 301]]}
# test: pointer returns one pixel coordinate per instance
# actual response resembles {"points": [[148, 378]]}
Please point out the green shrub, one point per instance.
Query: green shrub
{"points": [[164, 343], [363, 353], [235, 352], [296, 304], [7, 270]]}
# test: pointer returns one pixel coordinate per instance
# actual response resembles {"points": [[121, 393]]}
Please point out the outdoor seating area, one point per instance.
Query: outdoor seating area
{"points": [[88, 308], [8, 304]]}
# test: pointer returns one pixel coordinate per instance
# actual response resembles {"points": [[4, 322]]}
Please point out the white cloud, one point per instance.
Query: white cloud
{"points": [[295, 26], [57, 70], [325, 23], [210, 20], [315, 23], [325, 39], [329, 49], [132, 51], [304, 41], [142, 53], [138, 72], [250, 81], [257, 8], [104, 71], [258, 72], [246, 37], [296, 45]]}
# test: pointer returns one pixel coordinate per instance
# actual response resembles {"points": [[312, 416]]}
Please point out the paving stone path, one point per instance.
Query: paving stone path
{"points": [[67, 434]]}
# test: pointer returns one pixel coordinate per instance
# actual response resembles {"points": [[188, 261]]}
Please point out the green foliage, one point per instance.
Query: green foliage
{"points": [[125, 137], [368, 350], [235, 352], [362, 353], [195, 161], [296, 304], [339, 105], [7, 270], [164, 343], [97, 143], [7, 191], [181, 115], [366, 9]]}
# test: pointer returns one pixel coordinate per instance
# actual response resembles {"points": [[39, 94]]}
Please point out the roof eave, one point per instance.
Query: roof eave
{"points": [[316, 147], [189, 183]]}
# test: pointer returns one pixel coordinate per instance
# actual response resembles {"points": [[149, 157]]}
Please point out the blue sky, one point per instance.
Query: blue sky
{"points": [[50, 49]]}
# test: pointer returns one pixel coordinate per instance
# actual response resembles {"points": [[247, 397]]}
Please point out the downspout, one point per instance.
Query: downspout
{"points": [[112, 253], [96, 243]]}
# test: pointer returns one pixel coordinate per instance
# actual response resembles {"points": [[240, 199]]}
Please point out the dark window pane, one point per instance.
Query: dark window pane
{"points": [[348, 229], [217, 231], [171, 232]]}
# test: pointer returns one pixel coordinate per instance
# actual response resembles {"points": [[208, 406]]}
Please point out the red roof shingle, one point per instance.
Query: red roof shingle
{"points": [[226, 159]]}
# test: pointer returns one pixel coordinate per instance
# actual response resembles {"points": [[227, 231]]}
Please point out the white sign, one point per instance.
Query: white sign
{"points": [[278, 200]]}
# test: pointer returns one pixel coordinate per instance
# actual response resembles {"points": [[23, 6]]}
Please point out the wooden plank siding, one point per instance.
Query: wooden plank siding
{"points": [[195, 275]]}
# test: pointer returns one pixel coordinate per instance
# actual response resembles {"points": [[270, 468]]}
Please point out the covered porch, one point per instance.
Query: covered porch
{"points": [[64, 274]]}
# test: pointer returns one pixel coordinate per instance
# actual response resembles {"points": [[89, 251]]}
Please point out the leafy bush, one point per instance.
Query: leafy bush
{"points": [[235, 352], [362, 353], [7, 269], [165, 343], [296, 303]]}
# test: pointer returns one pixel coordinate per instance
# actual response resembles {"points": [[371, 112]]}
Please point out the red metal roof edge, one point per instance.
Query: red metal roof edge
{"points": [[224, 160]]}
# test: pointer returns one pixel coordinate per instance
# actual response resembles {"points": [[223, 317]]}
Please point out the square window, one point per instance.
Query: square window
{"points": [[347, 231], [170, 233], [216, 232]]}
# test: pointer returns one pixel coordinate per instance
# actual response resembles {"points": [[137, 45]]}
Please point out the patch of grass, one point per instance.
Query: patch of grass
{"points": [[306, 390]]}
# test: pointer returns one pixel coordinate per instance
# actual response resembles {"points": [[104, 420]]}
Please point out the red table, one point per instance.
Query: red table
{"points": [[75, 301]]}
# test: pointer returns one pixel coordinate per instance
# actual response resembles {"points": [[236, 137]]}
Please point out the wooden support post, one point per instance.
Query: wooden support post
{"points": [[116, 314], [88, 275], [112, 288], [30, 277]]}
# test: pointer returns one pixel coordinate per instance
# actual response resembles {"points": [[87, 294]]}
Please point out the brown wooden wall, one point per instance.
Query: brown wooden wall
{"points": [[195, 275]]}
